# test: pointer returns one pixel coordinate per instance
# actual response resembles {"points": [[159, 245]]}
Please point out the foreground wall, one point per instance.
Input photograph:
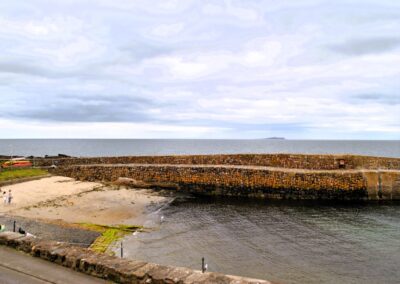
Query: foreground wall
{"points": [[113, 268], [250, 181], [294, 161]]}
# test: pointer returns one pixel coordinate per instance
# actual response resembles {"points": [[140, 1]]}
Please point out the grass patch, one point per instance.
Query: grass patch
{"points": [[109, 234], [10, 174]]}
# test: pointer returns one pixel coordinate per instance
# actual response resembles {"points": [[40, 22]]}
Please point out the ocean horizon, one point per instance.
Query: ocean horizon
{"points": [[142, 147]]}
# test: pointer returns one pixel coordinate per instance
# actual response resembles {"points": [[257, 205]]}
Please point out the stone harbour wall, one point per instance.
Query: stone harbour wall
{"points": [[293, 161], [383, 185], [113, 268], [275, 176], [248, 181]]}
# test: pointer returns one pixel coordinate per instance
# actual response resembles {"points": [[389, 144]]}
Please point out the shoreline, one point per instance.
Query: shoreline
{"points": [[66, 201], [63, 209]]}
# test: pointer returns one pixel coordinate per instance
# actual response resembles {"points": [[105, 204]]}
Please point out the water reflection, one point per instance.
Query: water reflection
{"points": [[284, 242]]}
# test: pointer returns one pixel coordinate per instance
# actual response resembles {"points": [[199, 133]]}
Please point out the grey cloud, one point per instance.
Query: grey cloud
{"points": [[36, 70], [245, 126], [390, 99], [139, 51], [366, 46], [18, 68], [93, 71], [88, 109]]}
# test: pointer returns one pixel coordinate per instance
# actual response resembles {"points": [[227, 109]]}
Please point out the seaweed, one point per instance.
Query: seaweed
{"points": [[109, 235]]}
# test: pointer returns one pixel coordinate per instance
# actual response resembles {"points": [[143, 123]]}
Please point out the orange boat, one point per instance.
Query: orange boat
{"points": [[17, 164]]}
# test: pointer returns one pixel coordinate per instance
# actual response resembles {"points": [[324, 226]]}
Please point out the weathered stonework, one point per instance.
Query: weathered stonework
{"points": [[293, 161], [249, 181], [113, 268], [383, 185], [275, 176]]}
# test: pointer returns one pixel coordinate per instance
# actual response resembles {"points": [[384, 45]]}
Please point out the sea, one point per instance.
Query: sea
{"points": [[124, 147], [284, 242]]}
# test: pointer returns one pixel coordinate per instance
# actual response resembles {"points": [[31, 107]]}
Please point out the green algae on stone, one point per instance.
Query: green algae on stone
{"points": [[109, 234]]}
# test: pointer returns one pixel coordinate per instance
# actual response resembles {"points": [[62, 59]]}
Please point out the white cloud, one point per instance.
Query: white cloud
{"points": [[17, 129], [167, 30], [200, 68], [242, 12]]}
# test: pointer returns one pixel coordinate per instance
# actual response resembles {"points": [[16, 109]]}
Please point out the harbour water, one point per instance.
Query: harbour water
{"points": [[124, 147], [282, 242]]}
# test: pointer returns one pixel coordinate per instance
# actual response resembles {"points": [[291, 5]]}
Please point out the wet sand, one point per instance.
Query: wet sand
{"points": [[62, 199]]}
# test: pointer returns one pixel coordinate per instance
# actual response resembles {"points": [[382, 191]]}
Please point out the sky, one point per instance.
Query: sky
{"points": [[300, 69]]}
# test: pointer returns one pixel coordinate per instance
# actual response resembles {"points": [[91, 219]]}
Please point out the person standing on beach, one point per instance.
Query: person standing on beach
{"points": [[5, 198], [9, 197]]}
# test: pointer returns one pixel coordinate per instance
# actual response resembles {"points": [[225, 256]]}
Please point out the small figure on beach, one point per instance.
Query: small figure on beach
{"points": [[5, 198], [9, 197]]}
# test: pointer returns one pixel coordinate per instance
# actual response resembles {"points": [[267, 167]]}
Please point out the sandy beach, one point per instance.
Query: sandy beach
{"points": [[62, 199]]}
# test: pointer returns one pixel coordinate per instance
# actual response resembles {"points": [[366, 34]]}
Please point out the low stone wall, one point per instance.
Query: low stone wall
{"points": [[113, 268], [293, 161], [246, 181]]}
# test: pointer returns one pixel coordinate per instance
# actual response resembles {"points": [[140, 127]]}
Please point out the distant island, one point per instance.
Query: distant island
{"points": [[276, 138]]}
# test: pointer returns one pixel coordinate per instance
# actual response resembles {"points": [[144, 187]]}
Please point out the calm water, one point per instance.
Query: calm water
{"points": [[118, 147], [287, 243]]}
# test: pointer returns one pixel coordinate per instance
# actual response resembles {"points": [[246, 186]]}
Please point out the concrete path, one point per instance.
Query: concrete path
{"points": [[18, 267]]}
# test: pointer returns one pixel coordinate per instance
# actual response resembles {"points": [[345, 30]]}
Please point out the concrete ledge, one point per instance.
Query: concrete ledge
{"points": [[113, 268]]}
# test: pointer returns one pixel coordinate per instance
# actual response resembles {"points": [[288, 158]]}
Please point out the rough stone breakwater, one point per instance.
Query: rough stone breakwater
{"points": [[281, 176], [290, 161], [113, 268]]}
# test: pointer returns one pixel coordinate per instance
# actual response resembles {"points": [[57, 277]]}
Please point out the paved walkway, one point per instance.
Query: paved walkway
{"points": [[49, 231], [18, 267]]}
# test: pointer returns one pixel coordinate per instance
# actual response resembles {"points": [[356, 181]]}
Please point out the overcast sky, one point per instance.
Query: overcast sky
{"points": [[302, 69]]}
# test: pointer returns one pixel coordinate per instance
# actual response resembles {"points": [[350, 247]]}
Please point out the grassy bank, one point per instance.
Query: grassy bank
{"points": [[10, 174]]}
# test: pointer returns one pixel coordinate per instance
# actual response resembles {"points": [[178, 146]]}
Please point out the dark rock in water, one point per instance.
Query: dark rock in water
{"points": [[63, 156], [50, 157], [58, 156], [133, 183]]}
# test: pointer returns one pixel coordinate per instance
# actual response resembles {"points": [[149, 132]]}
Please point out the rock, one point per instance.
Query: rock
{"points": [[130, 182]]}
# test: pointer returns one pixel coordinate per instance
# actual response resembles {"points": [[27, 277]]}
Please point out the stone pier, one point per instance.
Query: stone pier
{"points": [[325, 177]]}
